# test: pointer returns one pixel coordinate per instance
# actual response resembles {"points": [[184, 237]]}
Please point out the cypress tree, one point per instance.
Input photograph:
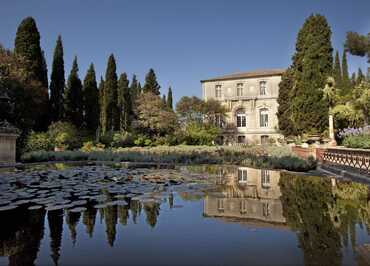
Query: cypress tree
{"points": [[284, 113], [164, 101], [312, 64], [353, 79], [27, 45], [91, 100], [73, 98], [44, 70], [151, 84], [169, 99], [346, 82], [102, 105], [57, 82], [360, 76], [135, 87], [337, 71], [110, 91], [125, 103]]}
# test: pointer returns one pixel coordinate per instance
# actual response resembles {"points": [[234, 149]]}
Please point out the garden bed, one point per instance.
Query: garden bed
{"points": [[271, 157]]}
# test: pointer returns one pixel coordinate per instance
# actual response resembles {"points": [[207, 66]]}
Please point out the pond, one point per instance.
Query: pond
{"points": [[197, 215]]}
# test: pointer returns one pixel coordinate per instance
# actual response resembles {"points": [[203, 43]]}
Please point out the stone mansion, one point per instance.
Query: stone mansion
{"points": [[251, 102]]}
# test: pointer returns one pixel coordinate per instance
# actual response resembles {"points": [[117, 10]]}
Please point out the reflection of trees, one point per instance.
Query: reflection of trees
{"points": [[324, 213], [55, 220], [135, 207], [123, 214], [306, 202], [72, 219], [110, 217], [152, 211], [170, 200], [20, 235], [88, 219]]}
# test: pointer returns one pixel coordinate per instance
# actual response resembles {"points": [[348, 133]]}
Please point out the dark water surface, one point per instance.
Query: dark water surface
{"points": [[232, 216]]}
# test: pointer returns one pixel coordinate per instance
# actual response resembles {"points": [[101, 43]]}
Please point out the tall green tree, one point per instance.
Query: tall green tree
{"points": [[337, 70], [135, 87], [151, 83], [57, 82], [312, 64], [27, 45], [360, 77], [169, 99], [284, 113], [164, 100], [110, 91], [91, 100], [103, 109], [125, 103], [73, 97], [346, 82]]}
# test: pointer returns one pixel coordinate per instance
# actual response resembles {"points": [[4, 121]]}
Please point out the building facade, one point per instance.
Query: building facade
{"points": [[251, 102]]}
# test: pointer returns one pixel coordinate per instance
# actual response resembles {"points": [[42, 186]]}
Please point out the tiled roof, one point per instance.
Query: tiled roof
{"points": [[249, 74]]}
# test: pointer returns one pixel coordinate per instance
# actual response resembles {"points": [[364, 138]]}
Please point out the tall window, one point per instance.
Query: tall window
{"points": [[265, 209], [264, 139], [241, 119], [219, 121], [263, 88], [220, 205], [264, 118], [265, 178], [218, 91], [242, 176], [239, 89], [243, 206]]}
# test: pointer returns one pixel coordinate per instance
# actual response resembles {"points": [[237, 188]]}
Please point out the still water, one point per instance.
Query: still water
{"points": [[232, 216]]}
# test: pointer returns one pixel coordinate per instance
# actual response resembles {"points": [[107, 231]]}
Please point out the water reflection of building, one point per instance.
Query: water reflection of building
{"points": [[248, 194]]}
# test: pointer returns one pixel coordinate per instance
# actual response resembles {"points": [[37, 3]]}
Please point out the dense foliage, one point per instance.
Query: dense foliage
{"points": [[57, 82], [27, 46], [267, 157], [73, 97], [90, 101]]}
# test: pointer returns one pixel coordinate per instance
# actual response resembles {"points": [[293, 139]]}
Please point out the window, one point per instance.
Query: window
{"points": [[218, 91], [265, 209], [263, 88], [219, 121], [241, 119], [239, 89], [264, 139], [220, 205], [243, 206], [241, 139], [242, 176], [264, 118], [265, 178]]}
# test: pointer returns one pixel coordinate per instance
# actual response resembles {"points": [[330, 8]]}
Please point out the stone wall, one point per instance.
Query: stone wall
{"points": [[7, 148]]}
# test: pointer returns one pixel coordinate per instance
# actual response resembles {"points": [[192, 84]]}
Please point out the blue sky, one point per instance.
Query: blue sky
{"points": [[184, 41]]}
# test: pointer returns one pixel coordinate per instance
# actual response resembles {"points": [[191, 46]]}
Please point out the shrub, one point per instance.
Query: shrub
{"points": [[38, 142], [90, 147], [361, 141], [64, 134], [122, 139], [143, 141], [257, 156], [200, 134]]}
